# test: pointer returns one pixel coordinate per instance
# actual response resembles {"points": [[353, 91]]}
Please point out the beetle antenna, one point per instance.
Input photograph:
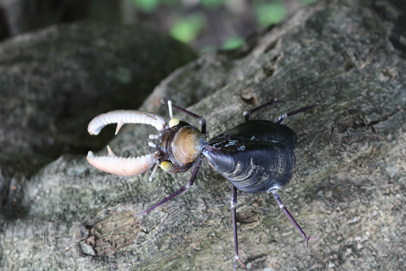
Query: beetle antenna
{"points": [[279, 201], [170, 109]]}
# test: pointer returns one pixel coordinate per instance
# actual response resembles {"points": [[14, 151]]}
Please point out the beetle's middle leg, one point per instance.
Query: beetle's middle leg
{"points": [[249, 112], [233, 210], [284, 116], [186, 187]]}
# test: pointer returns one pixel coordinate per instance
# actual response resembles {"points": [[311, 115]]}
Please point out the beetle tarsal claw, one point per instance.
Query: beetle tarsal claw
{"points": [[120, 165]]}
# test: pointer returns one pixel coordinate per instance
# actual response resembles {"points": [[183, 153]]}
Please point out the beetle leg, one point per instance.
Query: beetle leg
{"points": [[279, 201], [248, 112], [233, 210], [202, 120], [153, 172], [284, 116], [186, 187]]}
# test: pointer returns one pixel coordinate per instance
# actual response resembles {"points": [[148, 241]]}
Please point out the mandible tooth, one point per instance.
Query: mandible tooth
{"points": [[111, 153], [119, 125]]}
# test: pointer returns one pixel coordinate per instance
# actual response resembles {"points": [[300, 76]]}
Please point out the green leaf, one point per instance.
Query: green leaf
{"points": [[268, 14], [146, 5], [232, 43], [186, 29]]}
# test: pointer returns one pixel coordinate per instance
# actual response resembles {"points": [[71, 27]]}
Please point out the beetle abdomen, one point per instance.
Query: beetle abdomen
{"points": [[255, 156], [252, 166]]}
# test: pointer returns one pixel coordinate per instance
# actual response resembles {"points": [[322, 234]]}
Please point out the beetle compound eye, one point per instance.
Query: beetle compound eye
{"points": [[165, 165], [173, 122]]}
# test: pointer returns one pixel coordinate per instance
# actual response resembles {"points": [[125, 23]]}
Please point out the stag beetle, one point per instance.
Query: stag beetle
{"points": [[254, 156]]}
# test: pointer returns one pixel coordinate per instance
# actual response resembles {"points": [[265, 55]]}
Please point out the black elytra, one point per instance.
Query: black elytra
{"points": [[255, 156]]}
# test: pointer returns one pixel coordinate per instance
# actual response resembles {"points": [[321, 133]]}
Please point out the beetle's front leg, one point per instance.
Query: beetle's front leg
{"points": [[186, 187]]}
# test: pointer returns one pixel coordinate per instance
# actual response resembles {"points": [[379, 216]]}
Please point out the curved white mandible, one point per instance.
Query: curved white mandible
{"points": [[122, 166], [124, 116]]}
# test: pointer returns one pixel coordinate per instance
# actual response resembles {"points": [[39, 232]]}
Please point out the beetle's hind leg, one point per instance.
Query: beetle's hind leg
{"points": [[280, 203], [233, 210]]}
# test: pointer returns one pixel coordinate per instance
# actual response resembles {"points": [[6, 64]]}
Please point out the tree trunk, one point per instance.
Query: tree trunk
{"points": [[349, 185]]}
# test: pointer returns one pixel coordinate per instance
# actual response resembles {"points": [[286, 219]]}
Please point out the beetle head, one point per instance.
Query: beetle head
{"points": [[179, 144]]}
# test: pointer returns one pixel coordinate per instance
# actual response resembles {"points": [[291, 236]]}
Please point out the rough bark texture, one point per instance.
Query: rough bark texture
{"points": [[349, 185], [53, 82]]}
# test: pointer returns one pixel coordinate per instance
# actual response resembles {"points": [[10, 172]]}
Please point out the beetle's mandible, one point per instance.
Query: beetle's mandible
{"points": [[255, 156]]}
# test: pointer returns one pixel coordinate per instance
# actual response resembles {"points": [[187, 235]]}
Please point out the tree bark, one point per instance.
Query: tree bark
{"points": [[349, 185]]}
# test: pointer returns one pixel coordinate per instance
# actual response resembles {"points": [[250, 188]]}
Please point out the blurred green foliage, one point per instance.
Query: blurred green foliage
{"points": [[268, 14], [146, 5], [189, 19], [187, 28], [232, 43]]}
